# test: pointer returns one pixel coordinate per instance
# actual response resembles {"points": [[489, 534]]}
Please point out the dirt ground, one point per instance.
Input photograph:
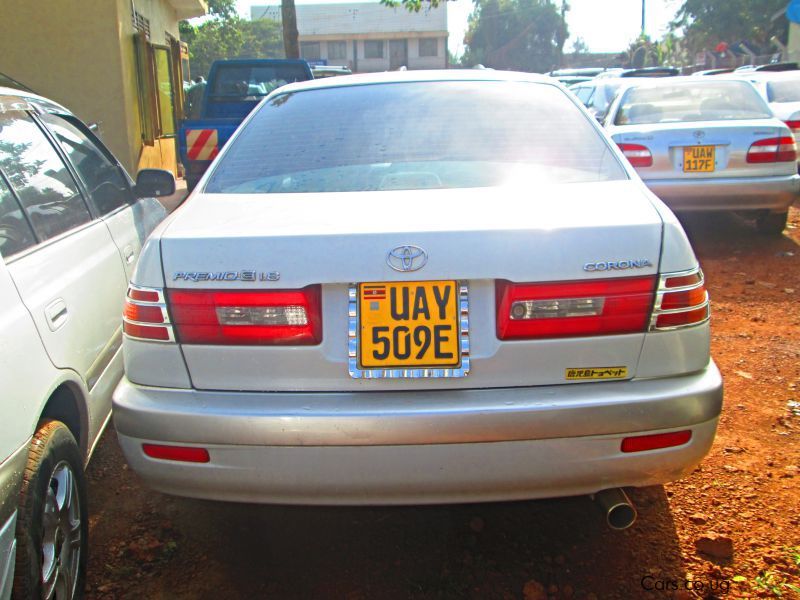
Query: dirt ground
{"points": [[741, 507]]}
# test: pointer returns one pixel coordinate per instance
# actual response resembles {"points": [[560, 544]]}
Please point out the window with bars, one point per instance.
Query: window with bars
{"points": [[141, 23]]}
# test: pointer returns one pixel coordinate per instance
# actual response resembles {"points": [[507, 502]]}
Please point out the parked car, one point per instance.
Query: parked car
{"points": [[233, 89], [708, 72], [476, 304], [782, 93], [322, 71], [598, 94], [708, 144], [641, 72], [769, 67], [72, 224]]}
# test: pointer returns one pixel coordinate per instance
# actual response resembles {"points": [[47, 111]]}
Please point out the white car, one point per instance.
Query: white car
{"points": [[71, 229], [708, 143], [456, 291], [781, 90]]}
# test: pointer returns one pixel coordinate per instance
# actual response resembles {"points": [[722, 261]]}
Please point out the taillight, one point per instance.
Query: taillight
{"points": [[772, 150], [145, 316], [794, 126], [637, 155], [681, 301], [244, 317], [571, 309]]}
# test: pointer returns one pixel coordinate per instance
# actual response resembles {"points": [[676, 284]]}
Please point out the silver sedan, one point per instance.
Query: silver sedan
{"points": [[703, 144]]}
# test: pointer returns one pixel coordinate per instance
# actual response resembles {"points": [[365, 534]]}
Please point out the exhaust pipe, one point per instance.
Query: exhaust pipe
{"points": [[619, 510]]}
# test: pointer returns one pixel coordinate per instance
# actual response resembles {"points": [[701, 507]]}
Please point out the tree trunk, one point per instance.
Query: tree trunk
{"points": [[291, 45]]}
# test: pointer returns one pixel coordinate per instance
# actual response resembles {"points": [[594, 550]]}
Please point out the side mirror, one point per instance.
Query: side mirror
{"points": [[153, 183]]}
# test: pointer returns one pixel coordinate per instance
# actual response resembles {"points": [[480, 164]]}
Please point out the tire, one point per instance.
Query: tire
{"points": [[52, 527], [771, 223]]}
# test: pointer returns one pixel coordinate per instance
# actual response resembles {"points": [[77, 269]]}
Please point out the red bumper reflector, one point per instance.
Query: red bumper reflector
{"points": [[178, 453], [642, 443]]}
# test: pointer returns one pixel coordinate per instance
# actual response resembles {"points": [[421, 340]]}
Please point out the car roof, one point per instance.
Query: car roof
{"points": [[417, 76], [44, 103]]}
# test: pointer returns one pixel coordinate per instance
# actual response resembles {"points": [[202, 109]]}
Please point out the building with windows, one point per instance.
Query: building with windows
{"points": [[116, 63], [368, 37]]}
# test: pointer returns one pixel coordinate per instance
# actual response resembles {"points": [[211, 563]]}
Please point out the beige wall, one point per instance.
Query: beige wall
{"points": [[71, 55], [80, 53]]}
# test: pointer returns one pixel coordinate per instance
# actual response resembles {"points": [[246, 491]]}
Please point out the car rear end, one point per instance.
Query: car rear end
{"points": [[707, 144], [411, 329]]}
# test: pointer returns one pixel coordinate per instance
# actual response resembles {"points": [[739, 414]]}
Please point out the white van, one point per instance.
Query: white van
{"points": [[72, 225]]}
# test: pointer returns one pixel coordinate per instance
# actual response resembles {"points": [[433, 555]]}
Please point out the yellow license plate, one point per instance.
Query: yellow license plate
{"points": [[409, 324], [699, 159]]}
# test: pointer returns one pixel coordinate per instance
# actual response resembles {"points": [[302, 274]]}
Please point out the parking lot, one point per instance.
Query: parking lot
{"points": [[146, 545]]}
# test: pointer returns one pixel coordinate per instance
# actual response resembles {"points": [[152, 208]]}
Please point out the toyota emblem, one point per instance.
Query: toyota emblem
{"points": [[407, 258]]}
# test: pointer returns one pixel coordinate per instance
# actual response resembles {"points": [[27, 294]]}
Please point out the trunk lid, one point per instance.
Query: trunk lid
{"points": [[730, 141], [475, 235]]}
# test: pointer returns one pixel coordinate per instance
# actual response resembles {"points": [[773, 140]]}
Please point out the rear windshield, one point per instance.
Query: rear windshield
{"points": [[416, 135], [233, 82], [690, 101], [784, 91]]}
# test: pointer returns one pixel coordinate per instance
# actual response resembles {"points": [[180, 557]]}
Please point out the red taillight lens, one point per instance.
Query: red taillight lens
{"points": [[793, 125], [637, 155], [144, 315], [143, 295], [275, 317], [772, 150], [642, 443], [178, 453], [682, 300], [571, 309]]}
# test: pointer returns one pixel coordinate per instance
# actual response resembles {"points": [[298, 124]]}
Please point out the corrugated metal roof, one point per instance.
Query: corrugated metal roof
{"points": [[358, 18]]}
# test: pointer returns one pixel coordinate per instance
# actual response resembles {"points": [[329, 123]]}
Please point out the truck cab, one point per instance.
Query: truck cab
{"points": [[234, 89]]}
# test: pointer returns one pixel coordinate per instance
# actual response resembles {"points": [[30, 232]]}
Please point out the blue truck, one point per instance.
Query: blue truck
{"points": [[234, 88]]}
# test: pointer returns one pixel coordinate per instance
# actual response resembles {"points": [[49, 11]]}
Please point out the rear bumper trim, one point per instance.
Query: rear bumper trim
{"points": [[424, 474], [417, 417], [743, 193]]}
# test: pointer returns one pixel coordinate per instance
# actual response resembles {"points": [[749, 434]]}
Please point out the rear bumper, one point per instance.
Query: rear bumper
{"points": [[420, 447], [752, 193]]}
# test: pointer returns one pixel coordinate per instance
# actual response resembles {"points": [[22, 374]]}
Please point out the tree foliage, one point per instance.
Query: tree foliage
{"points": [[706, 23], [231, 37], [523, 35], [412, 5]]}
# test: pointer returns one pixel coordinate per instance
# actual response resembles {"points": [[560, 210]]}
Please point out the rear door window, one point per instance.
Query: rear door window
{"points": [[41, 180], [16, 234], [108, 188]]}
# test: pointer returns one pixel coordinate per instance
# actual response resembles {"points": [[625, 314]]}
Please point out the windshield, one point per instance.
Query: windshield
{"points": [[784, 91], [234, 82], [689, 101], [452, 134]]}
